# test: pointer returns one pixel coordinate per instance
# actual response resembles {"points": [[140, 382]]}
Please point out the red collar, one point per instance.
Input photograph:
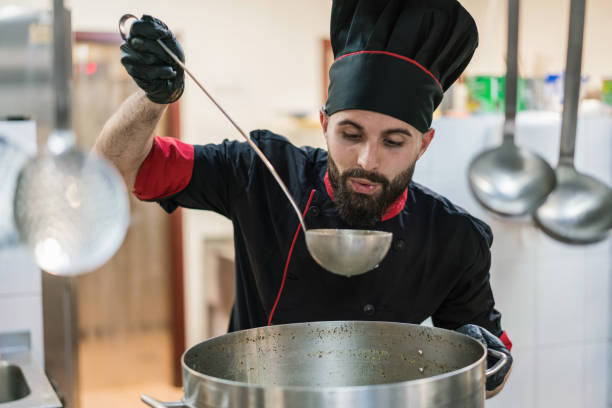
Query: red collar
{"points": [[391, 212]]}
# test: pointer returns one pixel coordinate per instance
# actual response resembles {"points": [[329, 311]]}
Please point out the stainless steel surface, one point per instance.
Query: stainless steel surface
{"points": [[62, 65], [71, 208], [25, 72], [579, 210], [154, 403], [71, 211], [511, 68], [509, 180], [12, 158], [61, 337], [336, 364], [360, 253], [335, 249], [13, 385], [27, 382]]}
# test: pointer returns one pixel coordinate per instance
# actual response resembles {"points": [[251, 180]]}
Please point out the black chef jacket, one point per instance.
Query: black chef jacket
{"points": [[438, 264]]}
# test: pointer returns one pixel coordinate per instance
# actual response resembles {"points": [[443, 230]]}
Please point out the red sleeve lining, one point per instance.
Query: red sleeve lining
{"points": [[506, 340], [166, 170]]}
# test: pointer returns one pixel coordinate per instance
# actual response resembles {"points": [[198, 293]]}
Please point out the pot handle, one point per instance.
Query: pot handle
{"points": [[153, 403], [501, 362]]}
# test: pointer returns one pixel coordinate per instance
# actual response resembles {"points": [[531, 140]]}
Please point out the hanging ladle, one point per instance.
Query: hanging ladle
{"points": [[508, 180], [345, 252], [579, 210], [71, 208]]}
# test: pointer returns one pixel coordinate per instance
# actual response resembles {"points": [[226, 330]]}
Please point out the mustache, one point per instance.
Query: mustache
{"points": [[364, 174]]}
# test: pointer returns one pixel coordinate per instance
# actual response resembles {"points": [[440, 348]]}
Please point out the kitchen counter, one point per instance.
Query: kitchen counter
{"points": [[41, 394]]}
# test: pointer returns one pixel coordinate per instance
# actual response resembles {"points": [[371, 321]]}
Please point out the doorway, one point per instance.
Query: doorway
{"points": [[130, 311]]}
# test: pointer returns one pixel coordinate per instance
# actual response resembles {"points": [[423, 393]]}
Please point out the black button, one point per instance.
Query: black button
{"points": [[314, 210], [369, 309], [399, 244]]}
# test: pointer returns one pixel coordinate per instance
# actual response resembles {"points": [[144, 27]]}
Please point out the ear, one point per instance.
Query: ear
{"points": [[323, 118], [426, 140]]}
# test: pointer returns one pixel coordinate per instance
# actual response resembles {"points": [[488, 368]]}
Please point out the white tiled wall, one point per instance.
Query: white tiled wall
{"points": [[555, 298]]}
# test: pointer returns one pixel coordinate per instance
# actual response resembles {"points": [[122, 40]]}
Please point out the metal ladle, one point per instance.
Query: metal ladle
{"points": [[509, 180], [346, 252], [579, 210], [71, 208]]}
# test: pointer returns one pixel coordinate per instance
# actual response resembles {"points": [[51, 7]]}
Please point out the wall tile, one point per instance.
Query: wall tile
{"points": [[601, 252], [598, 300], [454, 146], [540, 135], [560, 377], [595, 374], [519, 390], [18, 273], [560, 294], [549, 248], [513, 239], [593, 147], [609, 374], [514, 286]]}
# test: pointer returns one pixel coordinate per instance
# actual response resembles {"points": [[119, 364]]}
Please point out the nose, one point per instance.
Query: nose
{"points": [[368, 156]]}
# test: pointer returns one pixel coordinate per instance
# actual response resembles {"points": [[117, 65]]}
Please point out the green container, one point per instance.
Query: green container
{"points": [[487, 94], [606, 92], [483, 93]]}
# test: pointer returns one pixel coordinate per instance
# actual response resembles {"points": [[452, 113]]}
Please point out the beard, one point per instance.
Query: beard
{"points": [[358, 209]]}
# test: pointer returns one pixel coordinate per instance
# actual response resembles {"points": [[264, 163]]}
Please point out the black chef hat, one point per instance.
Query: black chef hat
{"points": [[397, 57]]}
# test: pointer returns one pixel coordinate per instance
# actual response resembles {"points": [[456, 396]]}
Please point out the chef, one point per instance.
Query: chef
{"points": [[393, 61]]}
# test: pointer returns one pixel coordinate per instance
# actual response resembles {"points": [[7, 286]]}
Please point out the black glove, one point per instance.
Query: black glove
{"points": [[147, 62], [490, 341]]}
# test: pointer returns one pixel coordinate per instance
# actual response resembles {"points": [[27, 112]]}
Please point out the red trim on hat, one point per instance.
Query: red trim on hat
{"points": [[392, 210], [166, 170], [392, 54], [506, 340], [297, 231]]}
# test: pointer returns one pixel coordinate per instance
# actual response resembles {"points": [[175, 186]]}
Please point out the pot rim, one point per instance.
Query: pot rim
{"points": [[352, 388]]}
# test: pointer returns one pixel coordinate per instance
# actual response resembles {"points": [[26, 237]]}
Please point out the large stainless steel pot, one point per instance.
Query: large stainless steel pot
{"points": [[336, 364]]}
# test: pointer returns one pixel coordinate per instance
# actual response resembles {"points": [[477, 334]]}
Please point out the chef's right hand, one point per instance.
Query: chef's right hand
{"points": [[151, 67]]}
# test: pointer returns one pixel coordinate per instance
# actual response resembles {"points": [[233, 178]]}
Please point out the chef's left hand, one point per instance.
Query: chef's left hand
{"points": [[496, 382]]}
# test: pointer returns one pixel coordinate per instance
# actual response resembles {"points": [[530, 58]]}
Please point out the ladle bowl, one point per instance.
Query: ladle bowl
{"points": [[70, 208], [578, 211], [509, 180], [342, 251], [71, 211]]}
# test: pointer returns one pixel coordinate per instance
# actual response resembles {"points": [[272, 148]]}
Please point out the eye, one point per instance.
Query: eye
{"points": [[351, 136], [393, 143]]}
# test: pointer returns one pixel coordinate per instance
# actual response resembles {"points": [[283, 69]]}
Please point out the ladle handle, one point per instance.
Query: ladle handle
{"points": [[62, 138], [511, 70], [154, 403], [262, 156], [62, 64], [571, 93]]}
